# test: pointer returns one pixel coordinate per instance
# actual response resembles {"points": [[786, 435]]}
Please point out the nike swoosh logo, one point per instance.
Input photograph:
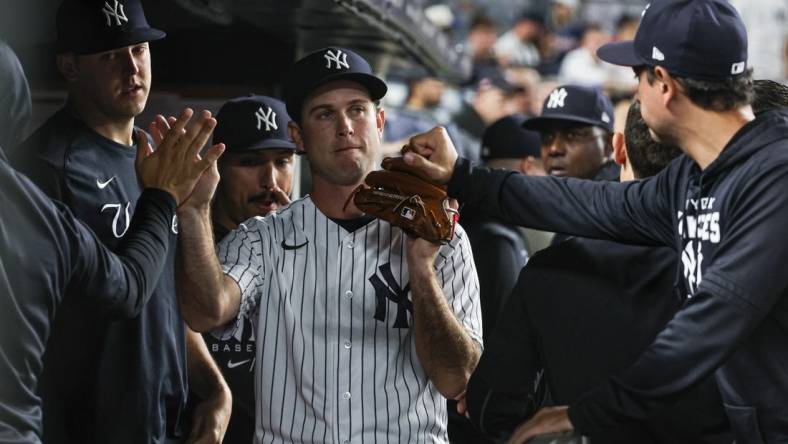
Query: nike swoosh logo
{"points": [[101, 185], [293, 247], [231, 364]]}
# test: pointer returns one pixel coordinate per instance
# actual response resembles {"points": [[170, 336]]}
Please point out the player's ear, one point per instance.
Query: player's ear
{"points": [[380, 119], [619, 149], [295, 134], [67, 65], [668, 85]]}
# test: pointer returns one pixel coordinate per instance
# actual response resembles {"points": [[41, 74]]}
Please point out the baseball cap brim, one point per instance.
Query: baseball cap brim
{"points": [[539, 123], [128, 38], [267, 144], [620, 53]]}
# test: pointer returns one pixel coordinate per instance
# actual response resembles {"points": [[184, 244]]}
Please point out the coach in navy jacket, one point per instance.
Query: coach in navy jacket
{"points": [[723, 207]]}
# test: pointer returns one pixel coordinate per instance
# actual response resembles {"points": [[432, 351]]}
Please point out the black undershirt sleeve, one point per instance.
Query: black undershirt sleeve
{"points": [[122, 283], [637, 212]]}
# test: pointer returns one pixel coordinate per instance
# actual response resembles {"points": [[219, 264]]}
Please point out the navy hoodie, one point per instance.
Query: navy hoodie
{"points": [[727, 224]]}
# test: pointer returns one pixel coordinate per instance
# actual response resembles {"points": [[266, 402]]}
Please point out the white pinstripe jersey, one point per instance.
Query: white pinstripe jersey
{"points": [[336, 357]]}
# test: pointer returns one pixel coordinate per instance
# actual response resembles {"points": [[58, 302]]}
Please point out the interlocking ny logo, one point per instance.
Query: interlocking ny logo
{"points": [[391, 290], [115, 12], [557, 98], [340, 59], [266, 117]]}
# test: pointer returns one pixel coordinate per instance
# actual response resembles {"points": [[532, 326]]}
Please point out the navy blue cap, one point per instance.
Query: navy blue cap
{"points": [[327, 65], [93, 26], [698, 39], [253, 123], [507, 139], [574, 103]]}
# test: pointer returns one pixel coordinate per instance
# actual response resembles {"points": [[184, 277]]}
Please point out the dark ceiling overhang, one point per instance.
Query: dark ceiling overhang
{"points": [[249, 43], [387, 32]]}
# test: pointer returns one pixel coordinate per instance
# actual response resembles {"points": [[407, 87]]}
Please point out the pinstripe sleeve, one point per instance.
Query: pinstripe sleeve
{"points": [[240, 254], [457, 274]]}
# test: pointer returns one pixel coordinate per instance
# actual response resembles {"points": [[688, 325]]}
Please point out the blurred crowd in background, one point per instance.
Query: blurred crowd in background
{"points": [[523, 50]]}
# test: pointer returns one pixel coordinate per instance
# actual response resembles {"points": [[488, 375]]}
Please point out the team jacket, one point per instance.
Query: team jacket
{"points": [[727, 225], [107, 378], [45, 253]]}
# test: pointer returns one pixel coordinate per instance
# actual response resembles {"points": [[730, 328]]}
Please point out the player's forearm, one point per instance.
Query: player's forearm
{"points": [[205, 296], [205, 378], [566, 205], [446, 351]]}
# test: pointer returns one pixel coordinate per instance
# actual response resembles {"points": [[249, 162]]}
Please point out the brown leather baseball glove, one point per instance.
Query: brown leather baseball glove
{"points": [[403, 196]]}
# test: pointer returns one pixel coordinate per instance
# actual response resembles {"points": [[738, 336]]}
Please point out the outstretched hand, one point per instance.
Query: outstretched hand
{"points": [[548, 421], [176, 165], [433, 153]]}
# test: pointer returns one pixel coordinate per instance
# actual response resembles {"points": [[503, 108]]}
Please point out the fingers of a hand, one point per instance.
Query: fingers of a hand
{"points": [[153, 130], [432, 170], [211, 156], [177, 129], [193, 131], [162, 126], [200, 139], [431, 140], [143, 147], [521, 434]]}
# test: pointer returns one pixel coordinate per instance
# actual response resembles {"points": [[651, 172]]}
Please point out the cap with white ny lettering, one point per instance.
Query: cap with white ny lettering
{"points": [[698, 39], [253, 123], [573, 103], [93, 26], [326, 65]]}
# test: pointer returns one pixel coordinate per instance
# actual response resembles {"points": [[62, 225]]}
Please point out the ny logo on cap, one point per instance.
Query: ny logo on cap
{"points": [[656, 54], [557, 98], [116, 12], [340, 59], [266, 117]]}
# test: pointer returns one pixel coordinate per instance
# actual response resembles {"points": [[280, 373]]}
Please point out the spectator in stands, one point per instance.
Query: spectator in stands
{"points": [[581, 66], [767, 35], [626, 28], [489, 104], [564, 32], [422, 112], [520, 45], [480, 41]]}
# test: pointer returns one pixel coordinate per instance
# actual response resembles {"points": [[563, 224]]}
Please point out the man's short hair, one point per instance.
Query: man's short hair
{"points": [[769, 95], [717, 95], [647, 156], [482, 21]]}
